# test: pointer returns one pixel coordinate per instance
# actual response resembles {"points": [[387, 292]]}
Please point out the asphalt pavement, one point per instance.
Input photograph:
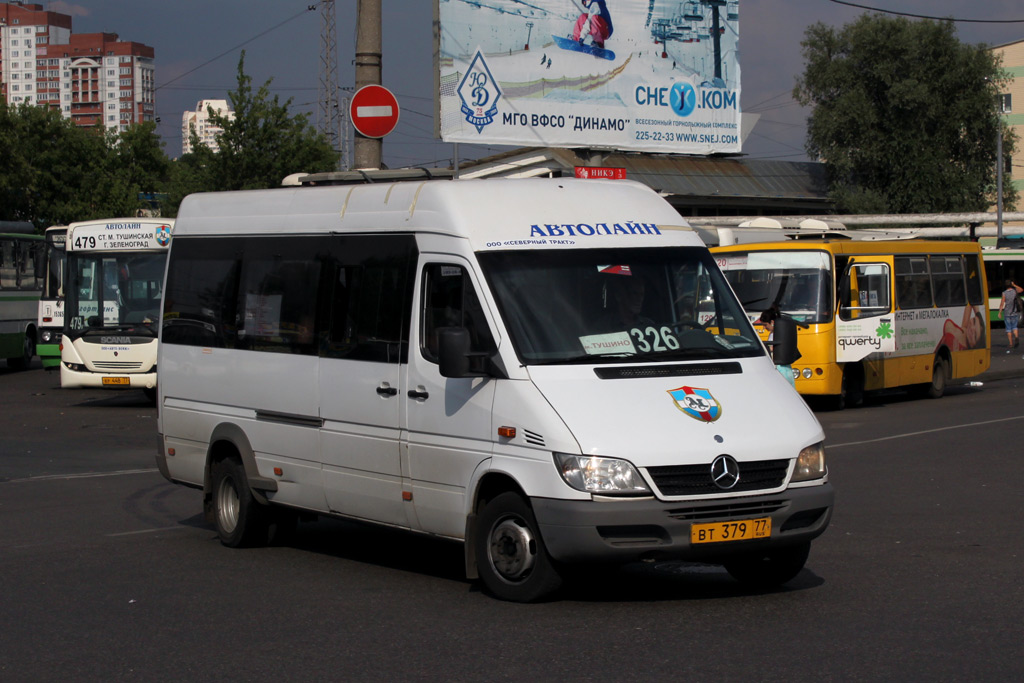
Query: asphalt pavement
{"points": [[1004, 365]]}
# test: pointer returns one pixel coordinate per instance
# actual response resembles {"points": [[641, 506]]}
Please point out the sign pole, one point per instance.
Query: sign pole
{"points": [[367, 151]]}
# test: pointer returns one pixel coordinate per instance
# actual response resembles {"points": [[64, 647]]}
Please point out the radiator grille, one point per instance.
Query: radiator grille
{"points": [[117, 365], [695, 480], [733, 510]]}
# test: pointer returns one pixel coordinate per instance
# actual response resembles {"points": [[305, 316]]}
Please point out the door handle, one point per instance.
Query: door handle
{"points": [[413, 393], [387, 391]]}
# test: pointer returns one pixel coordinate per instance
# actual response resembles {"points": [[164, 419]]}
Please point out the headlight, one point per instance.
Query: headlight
{"points": [[607, 476], [810, 464], [47, 335], [807, 373]]}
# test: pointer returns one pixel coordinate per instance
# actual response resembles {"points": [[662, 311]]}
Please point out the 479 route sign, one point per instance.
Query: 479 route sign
{"points": [[373, 111]]}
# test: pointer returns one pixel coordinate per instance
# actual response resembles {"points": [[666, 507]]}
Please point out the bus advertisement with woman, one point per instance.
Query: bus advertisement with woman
{"points": [[878, 314]]}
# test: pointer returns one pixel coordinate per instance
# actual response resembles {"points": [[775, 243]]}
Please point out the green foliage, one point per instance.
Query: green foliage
{"points": [[904, 116], [259, 147], [56, 172]]}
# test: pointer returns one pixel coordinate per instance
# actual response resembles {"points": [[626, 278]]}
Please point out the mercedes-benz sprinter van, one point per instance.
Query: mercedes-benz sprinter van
{"points": [[552, 371]]}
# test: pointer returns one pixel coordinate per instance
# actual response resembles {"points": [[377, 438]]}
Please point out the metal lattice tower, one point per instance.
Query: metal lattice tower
{"points": [[331, 116]]}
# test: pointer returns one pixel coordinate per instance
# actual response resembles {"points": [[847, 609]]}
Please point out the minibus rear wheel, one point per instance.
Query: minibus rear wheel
{"points": [[511, 558], [769, 569], [940, 375], [240, 519]]}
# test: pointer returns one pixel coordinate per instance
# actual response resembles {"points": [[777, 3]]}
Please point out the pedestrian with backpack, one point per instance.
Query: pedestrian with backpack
{"points": [[1010, 304]]}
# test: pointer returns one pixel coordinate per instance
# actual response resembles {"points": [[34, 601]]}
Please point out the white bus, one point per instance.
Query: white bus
{"points": [[115, 272], [1001, 264], [21, 258], [514, 364], [50, 322]]}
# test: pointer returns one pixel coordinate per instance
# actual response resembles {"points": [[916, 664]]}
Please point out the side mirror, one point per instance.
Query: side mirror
{"points": [[785, 351], [453, 351]]}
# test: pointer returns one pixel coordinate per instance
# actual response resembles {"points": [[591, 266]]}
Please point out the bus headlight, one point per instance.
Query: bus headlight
{"points": [[606, 476], [46, 336], [807, 373], [810, 464]]}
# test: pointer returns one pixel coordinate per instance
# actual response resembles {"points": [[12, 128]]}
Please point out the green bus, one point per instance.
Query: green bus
{"points": [[51, 302], [1002, 262], [21, 279]]}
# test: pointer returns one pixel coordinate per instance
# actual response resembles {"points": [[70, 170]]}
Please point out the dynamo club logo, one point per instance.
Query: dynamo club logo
{"points": [[479, 93], [697, 403], [163, 235]]}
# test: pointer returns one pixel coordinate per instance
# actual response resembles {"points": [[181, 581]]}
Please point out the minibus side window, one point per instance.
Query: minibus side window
{"points": [[202, 292], [368, 311], [913, 286], [865, 291], [972, 273], [948, 281], [449, 300], [280, 283]]}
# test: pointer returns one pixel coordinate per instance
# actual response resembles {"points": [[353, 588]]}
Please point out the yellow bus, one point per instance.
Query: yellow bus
{"points": [[878, 314]]}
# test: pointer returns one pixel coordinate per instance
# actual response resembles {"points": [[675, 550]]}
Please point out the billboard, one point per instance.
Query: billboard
{"points": [[643, 75]]}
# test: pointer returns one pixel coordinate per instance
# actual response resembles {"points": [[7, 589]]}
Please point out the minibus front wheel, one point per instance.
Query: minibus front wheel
{"points": [[511, 558], [239, 518]]}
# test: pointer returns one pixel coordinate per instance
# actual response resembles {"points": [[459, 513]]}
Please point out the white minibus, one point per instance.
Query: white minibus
{"points": [[516, 364]]}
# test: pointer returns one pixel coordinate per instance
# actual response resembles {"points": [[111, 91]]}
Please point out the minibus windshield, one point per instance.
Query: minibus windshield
{"points": [[798, 283], [606, 305]]}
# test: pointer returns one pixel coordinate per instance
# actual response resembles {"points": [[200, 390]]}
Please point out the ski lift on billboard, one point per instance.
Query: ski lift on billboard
{"points": [[693, 11], [733, 10]]}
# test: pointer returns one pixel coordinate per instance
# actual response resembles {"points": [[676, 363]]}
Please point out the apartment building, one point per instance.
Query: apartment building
{"points": [[1012, 107], [199, 121], [90, 78]]}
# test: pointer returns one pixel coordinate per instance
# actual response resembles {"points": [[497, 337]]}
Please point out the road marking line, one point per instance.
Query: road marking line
{"points": [[144, 531], [926, 431], [83, 475]]}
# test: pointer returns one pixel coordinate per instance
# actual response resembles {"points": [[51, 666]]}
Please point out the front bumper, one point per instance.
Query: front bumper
{"points": [[627, 530], [94, 380]]}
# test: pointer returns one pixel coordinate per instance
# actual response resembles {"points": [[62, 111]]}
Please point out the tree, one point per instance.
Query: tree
{"points": [[904, 116], [258, 147], [55, 172], [47, 174]]}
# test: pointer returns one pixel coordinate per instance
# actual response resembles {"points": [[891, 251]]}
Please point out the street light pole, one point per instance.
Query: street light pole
{"points": [[367, 151], [999, 176]]}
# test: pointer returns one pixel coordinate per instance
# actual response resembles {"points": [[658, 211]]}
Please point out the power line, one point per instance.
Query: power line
{"points": [[242, 44], [926, 16]]}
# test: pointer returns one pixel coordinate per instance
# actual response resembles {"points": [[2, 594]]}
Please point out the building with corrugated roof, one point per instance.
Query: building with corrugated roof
{"points": [[694, 185]]}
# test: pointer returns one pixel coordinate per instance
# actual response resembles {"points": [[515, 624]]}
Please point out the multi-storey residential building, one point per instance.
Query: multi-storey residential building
{"points": [[199, 121], [1012, 55], [90, 78]]}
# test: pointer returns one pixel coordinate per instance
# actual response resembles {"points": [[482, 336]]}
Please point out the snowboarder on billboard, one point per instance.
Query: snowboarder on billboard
{"points": [[594, 25]]}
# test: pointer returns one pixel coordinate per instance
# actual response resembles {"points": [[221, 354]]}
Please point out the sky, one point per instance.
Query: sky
{"points": [[198, 45]]}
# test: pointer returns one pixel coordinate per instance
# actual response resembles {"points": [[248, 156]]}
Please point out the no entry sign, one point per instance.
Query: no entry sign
{"points": [[374, 111]]}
